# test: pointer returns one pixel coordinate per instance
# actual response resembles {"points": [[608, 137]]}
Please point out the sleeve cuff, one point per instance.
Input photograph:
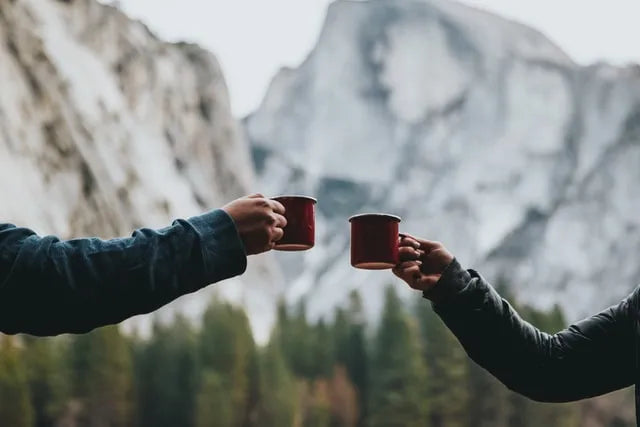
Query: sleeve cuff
{"points": [[453, 280], [223, 252]]}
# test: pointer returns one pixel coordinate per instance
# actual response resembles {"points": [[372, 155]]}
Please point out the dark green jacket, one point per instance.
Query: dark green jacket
{"points": [[49, 286], [592, 357]]}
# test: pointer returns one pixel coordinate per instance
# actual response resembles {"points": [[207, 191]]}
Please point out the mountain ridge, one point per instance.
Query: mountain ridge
{"points": [[110, 129], [480, 132]]}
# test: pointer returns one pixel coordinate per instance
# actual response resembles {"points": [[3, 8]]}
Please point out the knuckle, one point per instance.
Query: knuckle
{"points": [[261, 203]]}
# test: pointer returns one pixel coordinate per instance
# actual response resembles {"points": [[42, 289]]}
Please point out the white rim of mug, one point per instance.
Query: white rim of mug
{"points": [[295, 196], [382, 215]]}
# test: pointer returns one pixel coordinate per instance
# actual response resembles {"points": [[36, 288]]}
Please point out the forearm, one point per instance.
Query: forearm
{"points": [[48, 286], [589, 358]]}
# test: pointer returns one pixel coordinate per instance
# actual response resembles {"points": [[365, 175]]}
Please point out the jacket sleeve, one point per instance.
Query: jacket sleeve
{"points": [[49, 286], [592, 357]]}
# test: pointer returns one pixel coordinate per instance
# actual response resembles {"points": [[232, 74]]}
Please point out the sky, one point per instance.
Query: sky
{"points": [[253, 39]]}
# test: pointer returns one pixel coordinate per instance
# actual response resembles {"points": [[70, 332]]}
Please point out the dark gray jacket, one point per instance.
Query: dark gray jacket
{"points": [[49, 286], [592, 357]]}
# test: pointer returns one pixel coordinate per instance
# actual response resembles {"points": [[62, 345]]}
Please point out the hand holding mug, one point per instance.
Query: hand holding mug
{"points": [[259, 221], [422, 262]]}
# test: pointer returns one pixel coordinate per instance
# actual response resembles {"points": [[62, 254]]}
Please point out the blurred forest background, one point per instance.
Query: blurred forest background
{"points": [[523, 161], [408, 370]]}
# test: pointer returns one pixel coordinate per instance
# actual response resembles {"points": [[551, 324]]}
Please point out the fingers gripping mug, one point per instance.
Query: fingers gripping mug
{"points": [[374, 241], [299, 233]]}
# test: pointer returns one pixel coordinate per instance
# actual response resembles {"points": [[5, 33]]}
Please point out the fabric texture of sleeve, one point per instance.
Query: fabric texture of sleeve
{"points": [[589, 358], [49, 286]]}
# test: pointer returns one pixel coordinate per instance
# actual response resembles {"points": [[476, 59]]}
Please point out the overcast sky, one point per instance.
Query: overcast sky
{"points": [[254, 38]]}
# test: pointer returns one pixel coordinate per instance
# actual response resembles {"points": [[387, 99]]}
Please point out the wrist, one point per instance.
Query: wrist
{"points": [[223, 251], [454, 279]]}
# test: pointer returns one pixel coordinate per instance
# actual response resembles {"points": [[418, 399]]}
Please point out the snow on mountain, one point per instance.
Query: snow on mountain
{"points": [[478, 131]]}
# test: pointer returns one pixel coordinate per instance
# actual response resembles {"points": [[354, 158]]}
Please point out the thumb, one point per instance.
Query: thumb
{"points": [[256, 196]]}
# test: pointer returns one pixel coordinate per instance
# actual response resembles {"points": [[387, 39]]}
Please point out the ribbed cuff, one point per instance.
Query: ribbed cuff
{"points": [[222, 249], [453, 280]]}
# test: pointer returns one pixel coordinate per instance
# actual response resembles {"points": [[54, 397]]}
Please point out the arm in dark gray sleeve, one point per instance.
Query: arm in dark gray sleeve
{"points": [[49, 286], [590, 358]]}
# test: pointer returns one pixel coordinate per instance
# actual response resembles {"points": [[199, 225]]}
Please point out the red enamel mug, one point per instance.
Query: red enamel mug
{"points": [[300, 231], [374, 241]]}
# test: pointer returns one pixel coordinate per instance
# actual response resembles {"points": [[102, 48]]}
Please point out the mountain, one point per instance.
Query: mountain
{"points": [[478, 131], [104, 128]]}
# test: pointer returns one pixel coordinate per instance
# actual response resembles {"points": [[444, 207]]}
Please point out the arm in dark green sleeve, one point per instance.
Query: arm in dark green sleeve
{"points": [[49, 286], [590, 358]]}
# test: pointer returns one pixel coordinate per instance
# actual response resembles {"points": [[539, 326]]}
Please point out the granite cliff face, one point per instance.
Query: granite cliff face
{"points": [[104, 128], [478, 131]]}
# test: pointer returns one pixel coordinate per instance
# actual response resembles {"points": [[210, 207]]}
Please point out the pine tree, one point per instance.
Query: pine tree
{"points": [[214, 403], [47, 376], [228, 349], [341, 332], [168, 372], [298, 340], [489, 404], [351, 348], [101, 368], [356, 357], [399, 385], [278, 391], [253, 397], [15, 404], [137, 347], [322, 350]]}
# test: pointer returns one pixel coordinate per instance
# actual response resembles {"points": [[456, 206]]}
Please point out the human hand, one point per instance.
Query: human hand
{"points": [[422, 262], [260, 222]]}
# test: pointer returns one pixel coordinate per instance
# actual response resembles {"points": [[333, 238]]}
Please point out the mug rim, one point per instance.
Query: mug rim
{"points": [[295, 196], [373, 215]]}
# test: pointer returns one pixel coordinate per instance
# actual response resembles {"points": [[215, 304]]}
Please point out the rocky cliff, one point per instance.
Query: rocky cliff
{"points": [[478, 131], [104, 128]]}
